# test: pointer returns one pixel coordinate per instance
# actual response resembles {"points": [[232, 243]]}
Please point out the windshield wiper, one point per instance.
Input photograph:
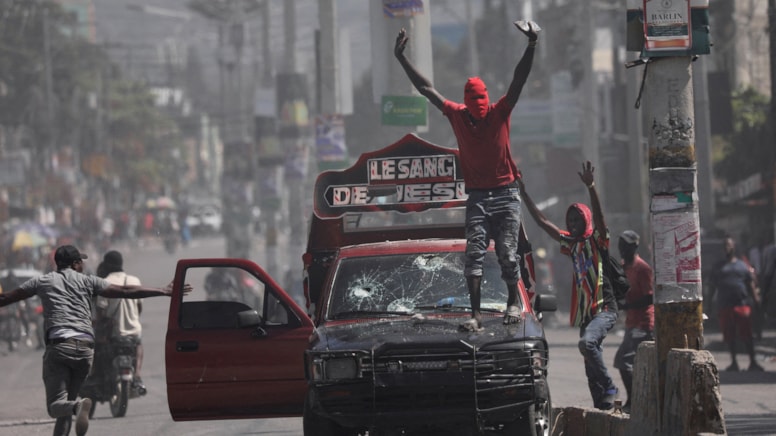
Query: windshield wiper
{"points": [[356, 313], [452, 308], [445, 307]]}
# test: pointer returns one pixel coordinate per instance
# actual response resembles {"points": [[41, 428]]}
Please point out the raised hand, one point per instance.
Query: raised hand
{"points": [[401, 43], [529, 28], [586, 175]]}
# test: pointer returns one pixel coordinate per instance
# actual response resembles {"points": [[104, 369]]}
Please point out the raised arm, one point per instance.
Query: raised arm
{"points": [[139, 291], [588, 179], [541, 220], [421, 83], [520, 76], [17, 294]]}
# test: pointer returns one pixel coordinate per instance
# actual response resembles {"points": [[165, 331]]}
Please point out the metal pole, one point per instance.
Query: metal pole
{"points": [[329, 103], [772, 39], [589, 93], [474, 59], [703, 140], [49, 86]]}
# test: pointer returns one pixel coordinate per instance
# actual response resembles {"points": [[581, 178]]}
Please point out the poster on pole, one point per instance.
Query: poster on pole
{"points": [[402, 8], [676, 236], [330, 148], [667, 25]]}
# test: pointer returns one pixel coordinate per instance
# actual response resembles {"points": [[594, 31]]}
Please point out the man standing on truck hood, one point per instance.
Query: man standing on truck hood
{"points": [[489, 172]]}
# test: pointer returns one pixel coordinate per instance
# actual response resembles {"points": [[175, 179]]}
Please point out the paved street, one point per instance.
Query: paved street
{"points": [[747, 398]]}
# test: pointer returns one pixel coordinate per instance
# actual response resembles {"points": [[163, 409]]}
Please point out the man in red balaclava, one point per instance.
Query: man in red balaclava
{"points": [[489, 172], [593, 305]]}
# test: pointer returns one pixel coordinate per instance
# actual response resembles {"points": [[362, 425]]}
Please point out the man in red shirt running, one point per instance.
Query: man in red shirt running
{"points": [[489, 172], [639, 307]]}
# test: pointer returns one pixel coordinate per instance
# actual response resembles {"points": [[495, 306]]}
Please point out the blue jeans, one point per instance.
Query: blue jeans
{"points": [[626, 354], [591, 336], [493, 214], [65, 367]]}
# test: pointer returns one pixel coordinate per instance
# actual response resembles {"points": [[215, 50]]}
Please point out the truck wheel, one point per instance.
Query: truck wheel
{"points": [[314, 424], [535, 421]]}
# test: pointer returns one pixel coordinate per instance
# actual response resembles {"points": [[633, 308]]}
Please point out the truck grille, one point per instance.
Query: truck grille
{"points": [[415, 380]]}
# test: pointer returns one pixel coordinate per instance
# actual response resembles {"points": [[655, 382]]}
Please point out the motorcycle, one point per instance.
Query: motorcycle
{"points": [[171, 243], [11, 328], [112, 378]]}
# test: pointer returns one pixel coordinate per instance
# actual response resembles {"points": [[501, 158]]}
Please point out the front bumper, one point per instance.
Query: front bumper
{"points": [[403, 386]]}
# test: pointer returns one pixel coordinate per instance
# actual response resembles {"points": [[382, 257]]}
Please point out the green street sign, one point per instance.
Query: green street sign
{"points": [[404, 110]]}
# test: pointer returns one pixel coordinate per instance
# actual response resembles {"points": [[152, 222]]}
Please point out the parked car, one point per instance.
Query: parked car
{"points": [[205, 220], [379, 348]]}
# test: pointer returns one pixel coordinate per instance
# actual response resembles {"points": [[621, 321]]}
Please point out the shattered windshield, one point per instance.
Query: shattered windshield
{"points": [[404, 284]]}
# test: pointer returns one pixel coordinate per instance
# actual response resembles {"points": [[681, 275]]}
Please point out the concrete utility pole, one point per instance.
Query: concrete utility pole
{"points": [[687, 390], [239, 159], [674, 208]]}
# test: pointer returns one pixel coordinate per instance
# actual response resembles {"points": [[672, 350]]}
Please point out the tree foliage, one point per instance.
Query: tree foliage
{"points": [[111, 122], [748, 150]]}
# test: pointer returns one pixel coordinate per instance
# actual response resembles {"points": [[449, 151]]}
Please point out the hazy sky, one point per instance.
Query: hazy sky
{"points": [[136, 38]]}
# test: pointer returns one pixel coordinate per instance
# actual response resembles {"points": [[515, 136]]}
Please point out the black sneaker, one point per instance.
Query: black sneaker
{"points": [[607, 402], [755, 367], [82, 416], [733, 367]]}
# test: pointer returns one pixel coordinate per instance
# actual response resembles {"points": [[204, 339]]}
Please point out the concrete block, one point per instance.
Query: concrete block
{"points": [[579, 421], [597, 422], [559, 424], [575, 421], [692, 403], [644, 415]]}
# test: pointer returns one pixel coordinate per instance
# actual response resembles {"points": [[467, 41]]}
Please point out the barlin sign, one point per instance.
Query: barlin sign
{"points": [[667, 24]]}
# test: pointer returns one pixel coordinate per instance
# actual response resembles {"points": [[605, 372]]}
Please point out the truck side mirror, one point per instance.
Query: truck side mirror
{"points": [[546, 303], [248, 318]]}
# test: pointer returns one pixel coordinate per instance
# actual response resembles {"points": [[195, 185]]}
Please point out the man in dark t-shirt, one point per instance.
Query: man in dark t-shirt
{"points": [[489, 171], [66, 296], [732, 281], [638, 306]]}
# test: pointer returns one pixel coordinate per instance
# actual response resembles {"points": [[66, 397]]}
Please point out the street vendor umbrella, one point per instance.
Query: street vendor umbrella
{"points": [[165, 203], [160, 203], [26, 239], [34, 228]]}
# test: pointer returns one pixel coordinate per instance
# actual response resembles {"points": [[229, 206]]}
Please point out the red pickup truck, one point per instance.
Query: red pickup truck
{"points": [[377, 350]]}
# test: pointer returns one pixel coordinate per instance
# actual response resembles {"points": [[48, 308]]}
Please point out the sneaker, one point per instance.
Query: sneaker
{"points": [[138, 386], [755, 367], [607, 402], [472, 325], [733, 367], [82, 416]]}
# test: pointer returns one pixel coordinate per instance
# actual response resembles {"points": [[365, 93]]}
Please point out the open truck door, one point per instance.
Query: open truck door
{"points": [[235, 345]]}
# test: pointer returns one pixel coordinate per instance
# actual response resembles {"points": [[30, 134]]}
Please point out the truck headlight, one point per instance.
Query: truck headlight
{"points": [[340, 368], [334, 368]]}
